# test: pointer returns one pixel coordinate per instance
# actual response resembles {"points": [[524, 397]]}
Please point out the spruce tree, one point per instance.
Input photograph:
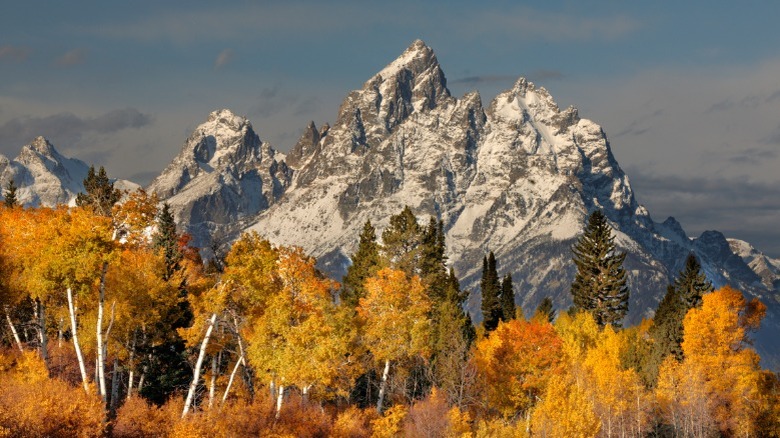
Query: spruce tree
{"points": [[401, 242], [433, 261], [600, 286], [10, 200], [490, 286], [545, 309], [100, 193], [365, 263], [507, 299], [167, 240], [681, 296]]}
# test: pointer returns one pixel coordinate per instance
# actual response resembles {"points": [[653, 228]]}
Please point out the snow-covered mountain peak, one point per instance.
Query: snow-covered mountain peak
{"points": [[40, 145], [417, 58]]}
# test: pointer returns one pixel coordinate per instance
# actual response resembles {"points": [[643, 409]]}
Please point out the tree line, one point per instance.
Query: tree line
{"points": [[114, 326]]}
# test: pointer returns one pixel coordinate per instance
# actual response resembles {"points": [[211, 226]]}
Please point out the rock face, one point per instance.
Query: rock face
{"points": [[223, 176], [43, 176]]}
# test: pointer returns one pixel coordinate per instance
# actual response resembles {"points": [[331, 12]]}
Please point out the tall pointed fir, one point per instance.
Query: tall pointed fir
{"points": [[545, 310], [167, 240], [401, 242], [9, 196], [507, 298], [100, 193], [600, 284], [365, 263], [491, 288], [681, 296], [433, 261]]}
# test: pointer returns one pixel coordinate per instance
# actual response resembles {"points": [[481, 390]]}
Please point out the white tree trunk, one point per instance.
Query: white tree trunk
{"points": [[239, 362], [13, 330], [198, 365], [44, 335], [75, 337], [279, 400], [213, 383], [101, 360], [383, 386], [130, 377]]}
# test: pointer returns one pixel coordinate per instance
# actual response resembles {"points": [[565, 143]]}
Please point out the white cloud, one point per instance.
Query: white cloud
{"points": [[224, 57]]}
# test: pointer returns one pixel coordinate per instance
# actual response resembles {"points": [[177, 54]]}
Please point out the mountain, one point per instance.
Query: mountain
{"points": [[44, 177], [223, 176], [517, 177]]}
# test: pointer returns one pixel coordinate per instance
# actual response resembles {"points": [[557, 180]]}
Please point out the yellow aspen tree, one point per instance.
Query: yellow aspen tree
{"points": [[395, 320], [565, 410], [515, 362]]}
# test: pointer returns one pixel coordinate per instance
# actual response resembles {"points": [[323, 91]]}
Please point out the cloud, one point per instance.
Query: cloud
{"points": [[67, 128], [71, 58], [486, 79], [751, 101], [546, 75], [640, 125], [224, 57], [13, 54]]}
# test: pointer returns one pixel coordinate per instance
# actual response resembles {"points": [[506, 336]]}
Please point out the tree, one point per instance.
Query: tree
{"points": [[365, 263], [545, 310], [599, 286], [507, 299], [684, 294], [515, 362], [10, 195], [100, 194], [395, 317], [167, 240], [491, 288], [401, 242]]}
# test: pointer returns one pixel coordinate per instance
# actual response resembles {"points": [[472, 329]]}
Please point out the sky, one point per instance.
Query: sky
{"points": [[687, 92]]}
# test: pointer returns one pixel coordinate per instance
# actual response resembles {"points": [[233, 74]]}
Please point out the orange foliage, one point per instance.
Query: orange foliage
{"points": [[32, 404], [515, 363]]}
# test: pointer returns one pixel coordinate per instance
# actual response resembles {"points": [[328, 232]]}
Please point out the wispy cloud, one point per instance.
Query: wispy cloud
{"points": [[486, 79], [10, 53], [224, 57], [71, 58], [69, 128]]}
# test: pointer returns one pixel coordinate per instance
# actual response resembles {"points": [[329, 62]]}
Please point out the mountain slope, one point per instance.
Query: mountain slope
{"points": [[223, 175]]}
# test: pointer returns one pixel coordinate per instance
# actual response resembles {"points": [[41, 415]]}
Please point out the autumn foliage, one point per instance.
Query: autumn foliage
{"points": [[110, 329]]}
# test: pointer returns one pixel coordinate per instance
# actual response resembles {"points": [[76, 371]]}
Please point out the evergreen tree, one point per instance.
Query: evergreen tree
{"points": [[507, 299], [10, 195], [600, 284], [667, 330], [365, 263], [100, 193], [545, 309], [401, 242], [433, 261], [167, 240], [490, 286]]}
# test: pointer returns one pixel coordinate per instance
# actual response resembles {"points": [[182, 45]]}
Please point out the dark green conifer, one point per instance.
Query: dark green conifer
{"points": [[10, 200], [667, 330], [365, 263], [167, 240], [600, 284], [100, 193], [507, 299], [401, 242], [490, 286], [545, 309]]}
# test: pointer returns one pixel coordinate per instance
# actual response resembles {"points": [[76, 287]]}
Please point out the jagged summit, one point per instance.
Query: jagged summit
{"points": [[223, 174], [41, 146]]}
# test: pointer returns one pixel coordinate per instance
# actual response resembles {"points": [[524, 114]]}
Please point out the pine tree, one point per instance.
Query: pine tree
{"points": [[545, 309], [365, 263], [507, 299], [433, 261], [490, 286], [600, 284], [401, 242], [685, 294], [167, 240], [10, 195], [100, 193]]}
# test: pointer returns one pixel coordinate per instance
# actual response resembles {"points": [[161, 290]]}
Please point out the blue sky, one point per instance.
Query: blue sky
{"points": [[687, 92]]}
